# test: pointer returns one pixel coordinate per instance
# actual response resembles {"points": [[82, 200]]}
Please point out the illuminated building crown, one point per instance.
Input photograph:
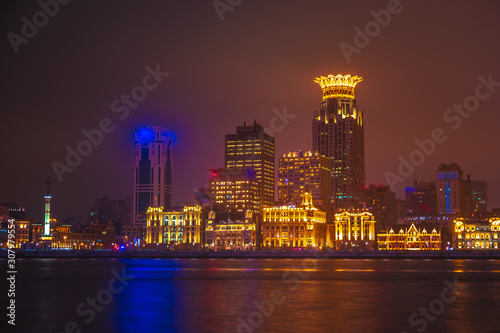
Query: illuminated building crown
{"points": [[339, 85]]}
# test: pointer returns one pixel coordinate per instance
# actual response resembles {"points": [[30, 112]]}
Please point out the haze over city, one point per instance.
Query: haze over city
{"points": [[262, 56]]}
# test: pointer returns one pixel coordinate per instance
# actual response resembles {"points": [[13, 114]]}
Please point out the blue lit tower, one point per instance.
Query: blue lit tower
{"points": [[152, 171]]}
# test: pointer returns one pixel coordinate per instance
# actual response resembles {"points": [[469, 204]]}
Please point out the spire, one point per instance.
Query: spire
{"points": [[48, 182]]}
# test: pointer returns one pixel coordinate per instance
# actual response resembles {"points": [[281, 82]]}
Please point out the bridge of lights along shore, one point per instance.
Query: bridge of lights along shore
{"points": [[338, 133]]}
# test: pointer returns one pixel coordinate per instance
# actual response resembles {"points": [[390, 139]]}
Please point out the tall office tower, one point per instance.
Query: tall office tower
{"points": [[303, 171], [152, 172], [338, 133], [453, 192], [251, 147], [421, 198], [381, 201], [479, 190], [235, 190]]}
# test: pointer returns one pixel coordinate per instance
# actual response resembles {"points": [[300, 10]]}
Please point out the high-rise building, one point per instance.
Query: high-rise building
{"points": [[338, 133], [479, 190], [235, 190], [381, 201], [152, 172], [421, 198], [303, 171], [251, 147], [453, 192]]}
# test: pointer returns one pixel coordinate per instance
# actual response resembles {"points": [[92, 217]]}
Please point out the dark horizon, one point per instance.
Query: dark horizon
{"points": [[261, 57]]}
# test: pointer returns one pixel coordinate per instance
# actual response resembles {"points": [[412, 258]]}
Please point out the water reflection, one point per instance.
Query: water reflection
{"points": [[219, 295]]}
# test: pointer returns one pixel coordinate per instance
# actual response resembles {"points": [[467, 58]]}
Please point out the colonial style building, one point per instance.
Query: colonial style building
{"points": [[303, 225], [354, 228], [88, 237], [409, 239], [477, 235], [230, 234], [174, 226]]}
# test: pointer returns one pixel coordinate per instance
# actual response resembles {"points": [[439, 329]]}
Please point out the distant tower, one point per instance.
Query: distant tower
{"points": [[453, 192], [47, 197], [152, 172], [338, 133]]}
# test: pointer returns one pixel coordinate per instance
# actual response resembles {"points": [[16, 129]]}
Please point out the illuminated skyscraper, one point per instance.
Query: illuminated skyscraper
{"points": [[338, 133], [235, 190], [303, 171], [251, 147], [152, 172], [48, 197]]}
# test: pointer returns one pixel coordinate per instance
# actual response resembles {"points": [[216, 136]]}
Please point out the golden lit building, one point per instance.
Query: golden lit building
{"points": [[303, 225], [338, 133], [234, 234], [251, 148], [22, 233], [409, 239], [477, 235], [235, 190], [175, 226], [89, 237], [300, 171], [354, 228]]}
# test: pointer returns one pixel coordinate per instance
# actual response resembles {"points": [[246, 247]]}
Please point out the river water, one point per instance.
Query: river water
{"points": [[257, 295]]}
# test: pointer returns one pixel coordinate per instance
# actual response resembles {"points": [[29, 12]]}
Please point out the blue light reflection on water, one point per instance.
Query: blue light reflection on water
{"points": [[210, 295]]}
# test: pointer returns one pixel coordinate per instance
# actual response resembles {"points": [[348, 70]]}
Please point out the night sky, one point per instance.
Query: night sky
{"points": [[264, 55]]}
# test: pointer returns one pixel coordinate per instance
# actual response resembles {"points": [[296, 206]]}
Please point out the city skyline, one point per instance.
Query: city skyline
{"points": [[200, 102]]}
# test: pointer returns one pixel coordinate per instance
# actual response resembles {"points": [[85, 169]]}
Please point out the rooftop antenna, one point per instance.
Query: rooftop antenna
{"points": [[48, 182]]}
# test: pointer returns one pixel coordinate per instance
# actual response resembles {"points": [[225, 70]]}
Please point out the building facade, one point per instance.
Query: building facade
{"points": [[453, 192], [381, 202], [152, 172], [235, 189], [479, 189], [338, 133], [409, 239], [303, 171], [301, 225], [483, 235], [250, 147], [230, 234], [421, 198], [354, 229], [174, 227]]}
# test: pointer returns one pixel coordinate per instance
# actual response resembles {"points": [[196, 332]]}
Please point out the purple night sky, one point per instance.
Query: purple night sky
{"points": [[264, 55]]}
